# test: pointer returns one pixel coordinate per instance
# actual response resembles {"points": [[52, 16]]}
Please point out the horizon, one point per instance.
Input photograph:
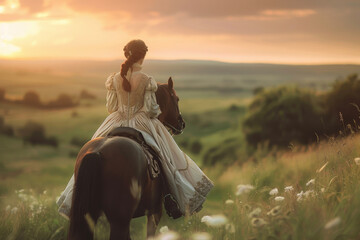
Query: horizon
{"points": [[180, 59]]}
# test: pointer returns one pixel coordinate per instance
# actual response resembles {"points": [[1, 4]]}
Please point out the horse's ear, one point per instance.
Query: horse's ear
{"points": [[170, 83]]}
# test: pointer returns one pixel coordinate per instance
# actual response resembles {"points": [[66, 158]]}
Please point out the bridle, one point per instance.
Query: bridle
{"points": [[173, 130]]}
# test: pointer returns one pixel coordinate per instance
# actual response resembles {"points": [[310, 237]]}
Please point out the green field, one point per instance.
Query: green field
{"points": [[32, 177]]}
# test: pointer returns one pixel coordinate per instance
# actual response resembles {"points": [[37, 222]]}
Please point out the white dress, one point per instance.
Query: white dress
{"points": [[188, 184]]}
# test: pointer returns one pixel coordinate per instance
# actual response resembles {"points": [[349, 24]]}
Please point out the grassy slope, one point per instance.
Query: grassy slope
{"points": [[297, 220]]}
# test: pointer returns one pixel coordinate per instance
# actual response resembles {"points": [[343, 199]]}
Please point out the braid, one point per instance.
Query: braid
{"points": [[133, 51]]}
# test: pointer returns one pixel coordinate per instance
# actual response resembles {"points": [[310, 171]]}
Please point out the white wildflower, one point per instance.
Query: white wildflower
{"points": [[201, 236], [357, 160], [8, 207], [44, 192], [274, 191], [333, 223], [255, 213], [309, 193], [14, 210], [279, 198], [230, 228], [164, 229], [258, 222], [214, 220], [300, 196], [244, 189], [170, 235], [322, 190], [288, 188], [229, 202], [310, 182]]}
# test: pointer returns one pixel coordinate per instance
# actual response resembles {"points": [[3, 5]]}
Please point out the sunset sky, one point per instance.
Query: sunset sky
{"points": [[275, 31]]}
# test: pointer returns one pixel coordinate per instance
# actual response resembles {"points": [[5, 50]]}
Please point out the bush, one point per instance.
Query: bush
{"points": [[34, 133], [283, 115], [343, 98], [224, 153], [2, 94], [196, 147], [84, 94], [63, 101], [78, 142], [6, 129], [32, 98]]}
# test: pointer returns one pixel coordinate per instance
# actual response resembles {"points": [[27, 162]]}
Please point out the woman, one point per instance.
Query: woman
{"points": [[131, 102]]}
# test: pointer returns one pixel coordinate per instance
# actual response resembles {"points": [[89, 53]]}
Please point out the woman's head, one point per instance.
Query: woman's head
{"points": [[134, 51]]}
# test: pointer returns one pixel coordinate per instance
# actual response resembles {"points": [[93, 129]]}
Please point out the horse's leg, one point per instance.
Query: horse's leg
{"points": [[120, 230], [152, 222]]}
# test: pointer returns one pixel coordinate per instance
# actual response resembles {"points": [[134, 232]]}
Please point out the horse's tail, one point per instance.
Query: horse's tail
{"points": [[86, 201]]}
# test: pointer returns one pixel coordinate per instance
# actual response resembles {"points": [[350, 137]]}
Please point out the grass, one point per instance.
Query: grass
{"points": [[335, 194]]}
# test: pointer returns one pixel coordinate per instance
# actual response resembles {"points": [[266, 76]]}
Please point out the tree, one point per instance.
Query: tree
{"points": [[282, 115], [344, 98], [2, 94], [32, 98]]}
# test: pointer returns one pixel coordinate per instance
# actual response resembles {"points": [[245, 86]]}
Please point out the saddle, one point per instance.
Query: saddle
{"points": [[151, 154]]}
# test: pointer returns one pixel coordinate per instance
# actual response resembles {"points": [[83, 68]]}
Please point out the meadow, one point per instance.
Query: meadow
{"points": [[317, 187]]}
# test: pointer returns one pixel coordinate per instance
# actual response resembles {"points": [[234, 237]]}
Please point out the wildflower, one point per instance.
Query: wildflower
{"points": [[310, 182], [300, 196], [201, 236], [170, 235], [229, 202], [8, 207], [274, 191], [255, 213], [333, 223], [322, 190], [275, 211], [44, 192], [279, 198], [357, 160], [14, 210], [230, 228], [288, 188], [309, 193], [164, 229], [258, 222], [215, 220], [244, 189]]}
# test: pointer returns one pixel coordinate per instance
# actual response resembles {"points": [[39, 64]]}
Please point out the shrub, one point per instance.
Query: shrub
{"points": [[196, 147], [2, 94], [34, 133], [344, 98], [84, 94], [32, 98], [6, 129], [63, 101], [282, 115], [78, 142], [224, 153]]}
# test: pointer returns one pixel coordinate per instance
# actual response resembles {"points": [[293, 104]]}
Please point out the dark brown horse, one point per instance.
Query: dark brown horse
{"points": [[111, 176]]}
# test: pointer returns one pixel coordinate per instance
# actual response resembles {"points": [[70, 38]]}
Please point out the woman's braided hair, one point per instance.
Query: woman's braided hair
{"points": [[133, 51]]}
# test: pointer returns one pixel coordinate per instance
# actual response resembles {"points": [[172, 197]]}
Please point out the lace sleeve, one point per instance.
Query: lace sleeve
{"points": [[111, 98], [151, 106]]}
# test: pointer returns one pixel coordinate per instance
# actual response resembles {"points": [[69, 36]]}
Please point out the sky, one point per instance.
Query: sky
{"points": [[268, 31]]}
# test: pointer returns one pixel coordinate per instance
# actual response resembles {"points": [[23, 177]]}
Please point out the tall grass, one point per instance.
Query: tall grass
{"points": [[323, 202]]}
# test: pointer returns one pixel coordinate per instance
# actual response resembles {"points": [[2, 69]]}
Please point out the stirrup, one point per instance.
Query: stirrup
{"points": [[172, 207]]}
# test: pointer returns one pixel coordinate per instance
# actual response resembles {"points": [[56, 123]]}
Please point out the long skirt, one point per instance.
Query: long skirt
{"points": [[187, 183]]}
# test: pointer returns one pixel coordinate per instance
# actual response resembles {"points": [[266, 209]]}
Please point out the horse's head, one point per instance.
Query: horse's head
{"points": [[169, 104]]}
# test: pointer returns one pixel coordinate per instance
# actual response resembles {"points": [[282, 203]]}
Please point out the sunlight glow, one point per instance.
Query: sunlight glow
{"points": [[8, 49]]}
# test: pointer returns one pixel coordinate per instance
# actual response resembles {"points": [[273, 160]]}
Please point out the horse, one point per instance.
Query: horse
{"points": [[111, 176]]}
